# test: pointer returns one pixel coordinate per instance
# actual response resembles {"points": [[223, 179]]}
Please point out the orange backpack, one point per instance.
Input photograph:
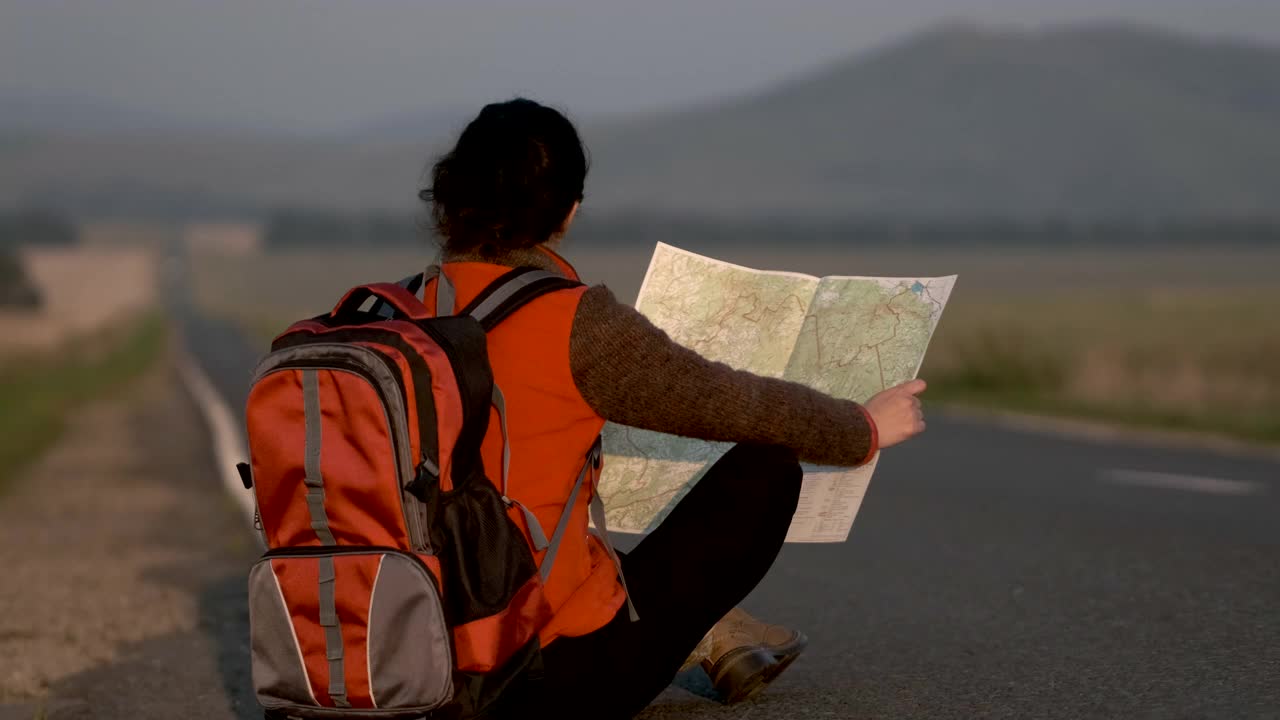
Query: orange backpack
{"points": [[395, 584]]}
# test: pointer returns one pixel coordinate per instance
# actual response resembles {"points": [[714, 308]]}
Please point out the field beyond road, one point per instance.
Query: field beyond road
{"points": [[85, 289], [1182, 338]]}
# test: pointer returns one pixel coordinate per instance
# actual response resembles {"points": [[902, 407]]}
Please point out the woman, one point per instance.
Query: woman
{"points": [[503, 197]]}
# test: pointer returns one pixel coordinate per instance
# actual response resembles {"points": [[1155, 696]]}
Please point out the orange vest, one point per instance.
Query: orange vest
{"points": [[551, 429]]}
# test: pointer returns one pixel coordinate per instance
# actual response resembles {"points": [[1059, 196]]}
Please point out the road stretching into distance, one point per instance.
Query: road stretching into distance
{"points": [[997, 572]]}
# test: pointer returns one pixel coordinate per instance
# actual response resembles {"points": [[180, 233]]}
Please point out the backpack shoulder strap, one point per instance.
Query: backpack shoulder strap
{"points": [[502, 297], [511, 292]]}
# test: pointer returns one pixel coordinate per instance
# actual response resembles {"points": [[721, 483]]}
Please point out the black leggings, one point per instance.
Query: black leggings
{"points": [[699, 563]]}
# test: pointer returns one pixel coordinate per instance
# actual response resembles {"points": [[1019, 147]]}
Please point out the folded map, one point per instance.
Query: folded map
{"points": [[849, 337]]}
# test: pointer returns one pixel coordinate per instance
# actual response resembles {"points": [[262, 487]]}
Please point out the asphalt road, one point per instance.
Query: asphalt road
{"points": [[999, 572]]}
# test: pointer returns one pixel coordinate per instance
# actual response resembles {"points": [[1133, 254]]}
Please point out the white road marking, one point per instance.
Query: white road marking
{"points": [[228, 446], [1186, 483]]}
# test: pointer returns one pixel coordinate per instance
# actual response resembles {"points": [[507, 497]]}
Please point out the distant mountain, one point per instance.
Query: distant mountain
{"points": [[181, 175], [29, 113], [1089, 121], [1074, 123], [23, 112]]}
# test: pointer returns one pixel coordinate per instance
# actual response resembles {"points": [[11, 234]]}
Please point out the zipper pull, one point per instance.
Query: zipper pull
{"points": [[257, 525], [425, 478]]}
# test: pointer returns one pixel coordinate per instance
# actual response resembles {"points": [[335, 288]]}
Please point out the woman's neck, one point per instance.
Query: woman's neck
{"points": [[541, 257]]}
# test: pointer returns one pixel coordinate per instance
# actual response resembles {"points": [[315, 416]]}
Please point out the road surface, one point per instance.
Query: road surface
{"points": [[998, 572]]}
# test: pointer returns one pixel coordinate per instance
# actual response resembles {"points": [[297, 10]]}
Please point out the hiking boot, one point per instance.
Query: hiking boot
{"points": [[785, 644], [746, 654], [700, 653]]}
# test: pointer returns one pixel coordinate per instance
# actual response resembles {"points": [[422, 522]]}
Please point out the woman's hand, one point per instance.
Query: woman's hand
{"points": [[897, 412]]}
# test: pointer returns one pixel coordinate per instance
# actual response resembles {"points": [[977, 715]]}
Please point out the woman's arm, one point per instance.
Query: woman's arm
{"points": [[633, 373]]}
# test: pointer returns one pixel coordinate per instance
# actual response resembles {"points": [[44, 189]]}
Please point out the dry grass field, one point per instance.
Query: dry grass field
{"points": [[1180, 338], [85, 289]]}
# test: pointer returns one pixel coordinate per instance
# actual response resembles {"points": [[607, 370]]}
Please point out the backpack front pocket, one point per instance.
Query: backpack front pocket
{"points": [[342, 628]]}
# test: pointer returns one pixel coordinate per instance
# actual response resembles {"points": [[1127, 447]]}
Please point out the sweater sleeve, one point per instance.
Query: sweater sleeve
{"points": [[632, 373]]}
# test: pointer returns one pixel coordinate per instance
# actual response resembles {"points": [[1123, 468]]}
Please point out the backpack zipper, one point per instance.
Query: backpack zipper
{"points": [[325, 550], [318, 551], [415, 520], [449, 352], [382, 336]]}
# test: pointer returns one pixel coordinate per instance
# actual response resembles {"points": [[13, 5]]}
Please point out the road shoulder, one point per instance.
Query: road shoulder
{"points": [[125, 563]]}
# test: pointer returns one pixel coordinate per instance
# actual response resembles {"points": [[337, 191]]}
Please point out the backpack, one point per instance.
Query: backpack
{"points": [[395, 584]]}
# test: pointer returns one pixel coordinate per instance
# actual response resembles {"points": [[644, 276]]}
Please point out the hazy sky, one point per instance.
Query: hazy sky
{"points": [[317, 66]]}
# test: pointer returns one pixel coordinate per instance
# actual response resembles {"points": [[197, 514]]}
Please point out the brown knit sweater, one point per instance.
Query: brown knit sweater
{"points": [[632, 373]]}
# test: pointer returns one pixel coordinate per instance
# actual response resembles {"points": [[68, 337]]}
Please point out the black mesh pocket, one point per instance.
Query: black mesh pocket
{"points": [[484, 557]]}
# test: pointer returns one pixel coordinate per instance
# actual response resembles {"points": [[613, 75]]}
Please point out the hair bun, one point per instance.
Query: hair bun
{"points": [[511, 179]]}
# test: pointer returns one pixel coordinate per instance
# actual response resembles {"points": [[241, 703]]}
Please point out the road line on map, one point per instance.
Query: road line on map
{"points": [[1187, 483], [228, 449]]}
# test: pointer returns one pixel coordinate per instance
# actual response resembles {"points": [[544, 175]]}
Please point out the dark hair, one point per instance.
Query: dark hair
{"points": [[510, 180]]}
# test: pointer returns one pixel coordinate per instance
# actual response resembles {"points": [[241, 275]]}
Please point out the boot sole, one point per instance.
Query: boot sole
{"points": [[784, 655], [742, 673]]}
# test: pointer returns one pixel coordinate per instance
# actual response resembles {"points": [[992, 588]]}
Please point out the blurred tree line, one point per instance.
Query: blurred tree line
{"points": [[295, 228], [36, 227], [329, 229]]}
